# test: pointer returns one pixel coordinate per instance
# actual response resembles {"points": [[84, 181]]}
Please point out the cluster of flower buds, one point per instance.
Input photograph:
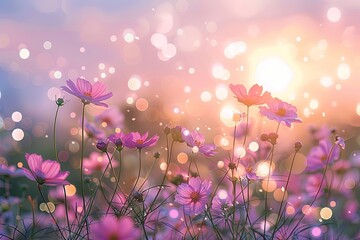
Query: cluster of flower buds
{"points": [[271, 138]]}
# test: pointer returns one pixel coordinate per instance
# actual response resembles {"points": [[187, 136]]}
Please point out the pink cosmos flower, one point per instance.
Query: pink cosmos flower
{"points": [[87, 92], [110, 227], [196, 139], [280, 111], [94, 132], [193, 195], [44, 172], [319, 154], [312, 185], [97, 162], [111, 118], [247, 167], [140, 141], [121, 140], [255, 96]]}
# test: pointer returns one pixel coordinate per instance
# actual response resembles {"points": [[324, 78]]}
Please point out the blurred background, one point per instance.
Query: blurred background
{"points": [[170, 62]]}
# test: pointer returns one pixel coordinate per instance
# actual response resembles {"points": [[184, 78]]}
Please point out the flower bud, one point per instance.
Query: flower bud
{"points": [[176, 134], [60, 102], [102, 145], [272, 138], [232, 166], [167, 130], [157, 155], [236, 117], [340, 141], [138, 196], [298, 146], [178, 179], [264, 137]]}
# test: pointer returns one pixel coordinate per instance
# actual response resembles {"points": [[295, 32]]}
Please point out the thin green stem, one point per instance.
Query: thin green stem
{"points": [[233, 145], [117, 179], [164, 177], [52, 216], [234, 200], [54, 133], [81, 168], [57, 159], [268, 179], [318, 190], [247, 124], [91, 200], [283, 196], [129, 200]]}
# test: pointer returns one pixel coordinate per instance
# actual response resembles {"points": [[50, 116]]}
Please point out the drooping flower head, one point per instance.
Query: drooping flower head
{"points": [[110, 227], [255, 96], [196, 140], [44, 172], [141, 141], [87, 92], [280, 111], [193, 195]]}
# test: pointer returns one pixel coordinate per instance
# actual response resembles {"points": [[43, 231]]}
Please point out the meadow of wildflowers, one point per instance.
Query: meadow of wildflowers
{"points": [[252, 190], [181, 119]]}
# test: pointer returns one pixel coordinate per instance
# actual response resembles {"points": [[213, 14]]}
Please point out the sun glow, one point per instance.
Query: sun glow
{"points": [[274, 74]]}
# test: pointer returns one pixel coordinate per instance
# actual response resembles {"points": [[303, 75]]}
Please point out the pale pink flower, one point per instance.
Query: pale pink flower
{"points": [[255, 96], [320, 155], [87, 92], [94, 132], [111, 118], [196, 139], [194, 195], [44, 172], [280, 111], [97, 162], [110, 227]]}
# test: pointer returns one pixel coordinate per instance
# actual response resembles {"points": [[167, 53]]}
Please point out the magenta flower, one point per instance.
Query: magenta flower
{"points": [[110, 227], [193, 195], [280, 111], [121, 140], [87, 92], [44, 172], [196, 139], [255, 96], [319, 154], [140, 141]]}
